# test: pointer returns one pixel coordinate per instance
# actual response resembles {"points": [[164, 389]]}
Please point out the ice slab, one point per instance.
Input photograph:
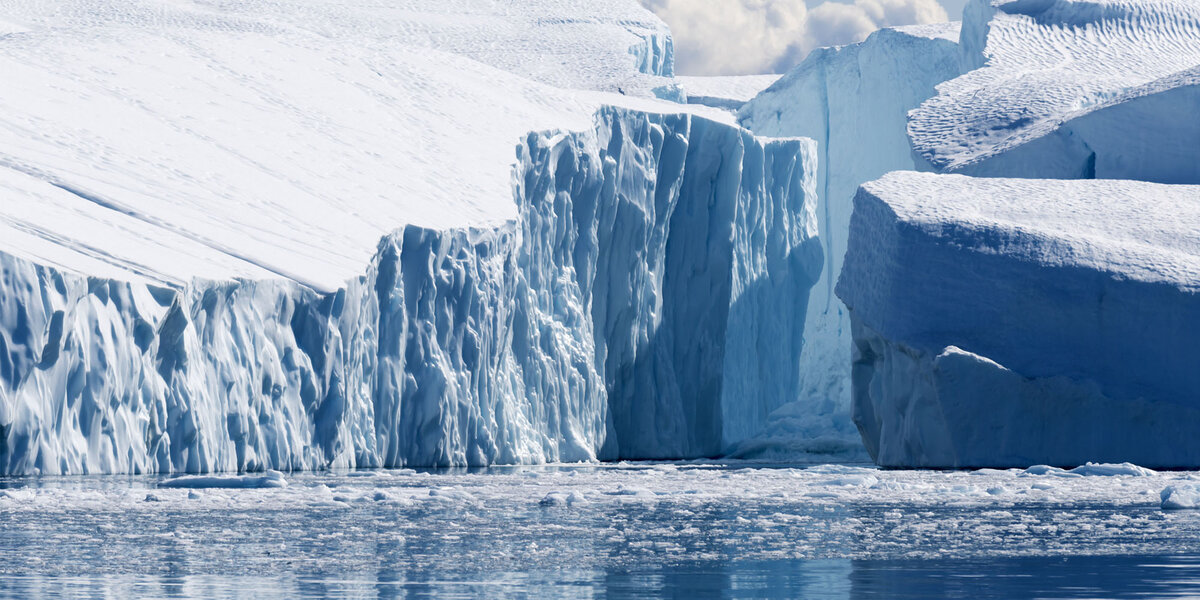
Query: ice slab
{"points": [[272, 479], [1005, 322]]}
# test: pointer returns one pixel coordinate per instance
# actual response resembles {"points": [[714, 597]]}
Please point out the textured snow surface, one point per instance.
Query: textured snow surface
{"points": [[168, 141], [1069, 89], [260, 235], [853, 101], [1011, 322]]}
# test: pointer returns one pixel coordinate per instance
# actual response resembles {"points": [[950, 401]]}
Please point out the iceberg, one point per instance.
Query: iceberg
{"points": [[1010, 322], [277, 237], [1068, 89], [852, 100]]}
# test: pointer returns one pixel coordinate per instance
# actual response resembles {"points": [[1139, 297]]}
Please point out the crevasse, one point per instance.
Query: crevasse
{"points": [[647, 302]]}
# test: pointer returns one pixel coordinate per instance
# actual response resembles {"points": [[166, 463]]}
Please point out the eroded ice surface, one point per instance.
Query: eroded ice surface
{"points": [[1068, 89], [1012, 322], [264, 236], [826, 532]]}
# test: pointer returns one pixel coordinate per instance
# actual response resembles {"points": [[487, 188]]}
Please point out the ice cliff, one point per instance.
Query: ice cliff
{"points": [[275, 237], [853, 101], [1007, 322]]}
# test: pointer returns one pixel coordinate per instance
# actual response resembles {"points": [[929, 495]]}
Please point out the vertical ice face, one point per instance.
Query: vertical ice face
{"points": [[1009, 322], [648, 302], [853, 101]]}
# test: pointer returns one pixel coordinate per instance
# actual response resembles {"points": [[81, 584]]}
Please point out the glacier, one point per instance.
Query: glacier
{"points": [[852, 100], [1007, 322], [269, 237], [1068, 89]]}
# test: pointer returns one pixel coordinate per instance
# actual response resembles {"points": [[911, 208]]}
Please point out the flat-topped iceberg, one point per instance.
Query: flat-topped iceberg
{"points": [[353, 235], [1007, 322]]}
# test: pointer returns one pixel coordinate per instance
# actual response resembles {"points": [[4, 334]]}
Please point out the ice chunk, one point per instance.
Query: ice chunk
{"points": [[852, 100], [270, 479], [1180, 496], [1002, 322], [1069, 89], [1092, 469]]}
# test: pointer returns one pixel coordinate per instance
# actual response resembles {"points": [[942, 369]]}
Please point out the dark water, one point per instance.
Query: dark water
{"points": [[1030, 577]]}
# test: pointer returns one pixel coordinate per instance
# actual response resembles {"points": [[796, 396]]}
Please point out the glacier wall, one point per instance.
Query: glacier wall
{"points": [[853, 101], [648, 302], [1004, 322]]}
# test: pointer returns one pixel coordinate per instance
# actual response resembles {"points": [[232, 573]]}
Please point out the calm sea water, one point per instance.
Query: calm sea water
{"points": [[629, 531]]}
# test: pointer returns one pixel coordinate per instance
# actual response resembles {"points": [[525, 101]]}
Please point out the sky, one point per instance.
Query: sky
{"points": [[739, 37]]}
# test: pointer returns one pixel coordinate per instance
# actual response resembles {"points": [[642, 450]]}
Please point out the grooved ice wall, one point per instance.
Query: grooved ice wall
{"points": [[647, 302]]}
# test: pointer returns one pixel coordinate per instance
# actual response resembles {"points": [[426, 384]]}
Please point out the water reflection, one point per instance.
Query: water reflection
{"points": [[1116, 577]]}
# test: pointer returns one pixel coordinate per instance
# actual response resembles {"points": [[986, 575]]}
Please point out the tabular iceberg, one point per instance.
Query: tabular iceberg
{"points": [[1007, 322], [266, 238], [852, 100]]}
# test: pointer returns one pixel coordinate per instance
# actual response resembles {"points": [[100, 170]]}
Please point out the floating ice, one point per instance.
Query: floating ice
{"points": [[1181, 496], [1006, 322], [271, 479]]}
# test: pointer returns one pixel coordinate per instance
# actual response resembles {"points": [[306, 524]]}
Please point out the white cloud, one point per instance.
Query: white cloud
{"points": [[727, 37]]}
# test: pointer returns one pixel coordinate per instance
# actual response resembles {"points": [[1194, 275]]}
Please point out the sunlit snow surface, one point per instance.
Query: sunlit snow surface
{"points": [[738, 530]]}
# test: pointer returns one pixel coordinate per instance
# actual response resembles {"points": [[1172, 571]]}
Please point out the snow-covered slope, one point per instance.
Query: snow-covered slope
{"points": [[1069, 89], [730, 92], [1002, 322], [261, 235], [853, 101], [176, 140]]}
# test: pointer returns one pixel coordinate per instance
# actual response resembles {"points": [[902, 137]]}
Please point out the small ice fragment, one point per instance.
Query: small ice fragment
{"points": [[270, 479], [1180, 497], [554, 499], [1111, 469]]}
